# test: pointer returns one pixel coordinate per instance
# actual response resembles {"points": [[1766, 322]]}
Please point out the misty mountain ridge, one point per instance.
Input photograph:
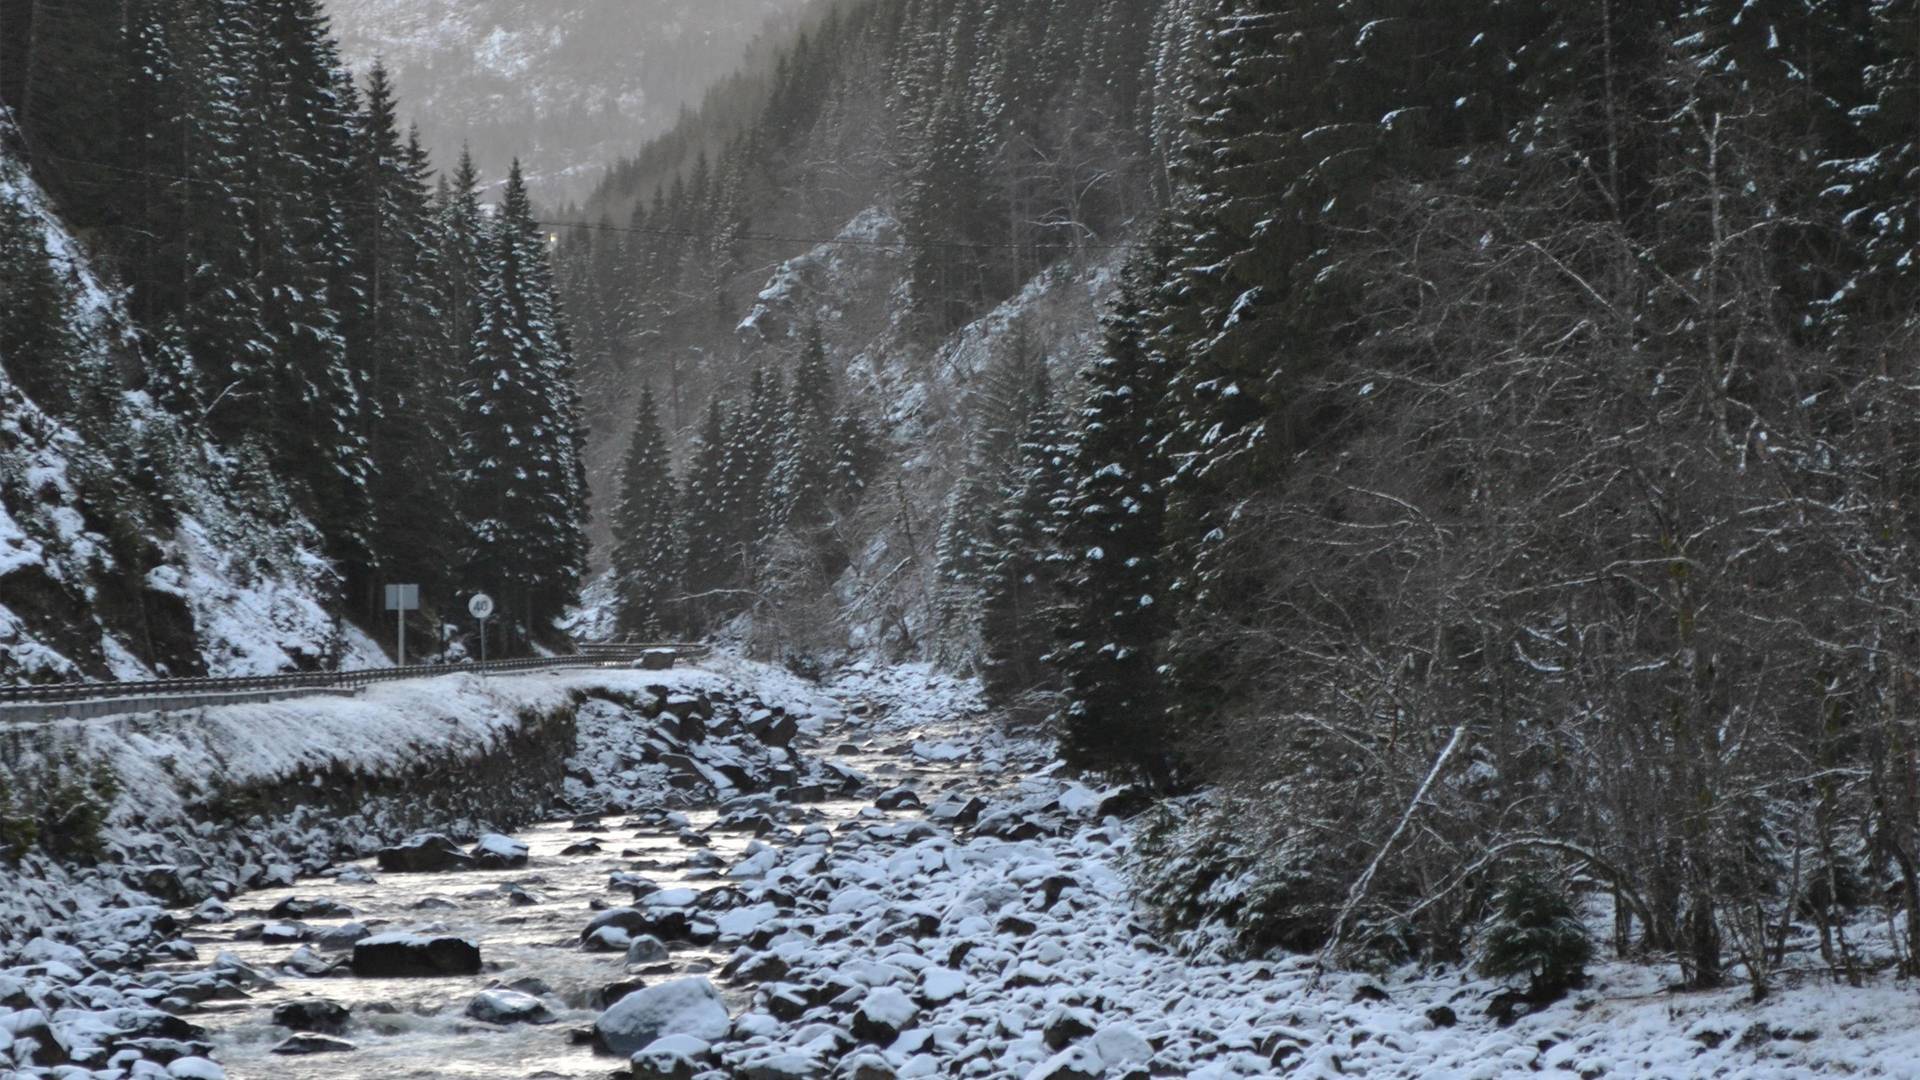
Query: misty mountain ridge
{"points": [[568, 86]]}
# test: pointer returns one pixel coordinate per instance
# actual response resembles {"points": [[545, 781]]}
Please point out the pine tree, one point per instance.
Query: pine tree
{"points": [[646, 561], [520, 463], [1020, 580], [709, 566], [1112, 626]]}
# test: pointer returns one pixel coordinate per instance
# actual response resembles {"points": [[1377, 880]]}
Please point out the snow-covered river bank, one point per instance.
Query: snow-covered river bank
{"points": [[920, 895]]}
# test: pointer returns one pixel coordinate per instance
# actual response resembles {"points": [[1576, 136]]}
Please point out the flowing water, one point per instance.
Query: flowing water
{"points": [[417, 1027]]}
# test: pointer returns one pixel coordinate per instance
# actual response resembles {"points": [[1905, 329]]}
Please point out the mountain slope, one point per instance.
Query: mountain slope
{"points": [[129, 546], [571, 85]]}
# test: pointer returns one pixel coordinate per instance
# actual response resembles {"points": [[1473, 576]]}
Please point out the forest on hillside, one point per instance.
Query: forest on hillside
{"points": [[321, 323], [567, 86], [1457, 461], [1491, 489]]}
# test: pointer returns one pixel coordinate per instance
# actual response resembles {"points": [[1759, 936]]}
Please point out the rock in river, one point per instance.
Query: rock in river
{"points": [[313, 1044], [508, 1007], [497, 852], [398, 955], [682, 1007], [312, 1014], [424, 854]]}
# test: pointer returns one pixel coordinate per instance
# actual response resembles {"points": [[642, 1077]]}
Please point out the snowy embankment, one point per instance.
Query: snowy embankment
{"points": [[209, 801], [1012, 944], [206, 803]]}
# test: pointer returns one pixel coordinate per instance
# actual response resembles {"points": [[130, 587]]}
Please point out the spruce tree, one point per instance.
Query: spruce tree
{"points": [[299, 181], [37, 345], [856, 452], [646, 562], [1112, 614], [807, 448], [1019, 582], [520, 462], [708, 570], [394, 336], [962, 553]]}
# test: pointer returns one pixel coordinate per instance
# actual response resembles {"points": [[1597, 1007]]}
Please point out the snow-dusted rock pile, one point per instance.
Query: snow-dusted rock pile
{"points": [[909, 944], [682, 743]]}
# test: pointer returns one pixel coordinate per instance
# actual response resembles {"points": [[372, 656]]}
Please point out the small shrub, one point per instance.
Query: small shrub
{"points": [[60, 810], [1535, 932]]}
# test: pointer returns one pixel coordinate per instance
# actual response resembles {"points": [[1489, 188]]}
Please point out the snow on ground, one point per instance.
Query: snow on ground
{"points": [[167, 765], [251, 581], [1030, 955], [994, 933]]}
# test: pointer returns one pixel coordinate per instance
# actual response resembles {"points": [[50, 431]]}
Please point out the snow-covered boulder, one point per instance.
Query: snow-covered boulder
{"points": [[884, 1014], [773, 728], [507, 1007], [1120, 1045], [674, 1057], [682, 1007], [497, 852], [940, 984], [646, 949], [400, 955], [1073, 1063], [424, 854]]}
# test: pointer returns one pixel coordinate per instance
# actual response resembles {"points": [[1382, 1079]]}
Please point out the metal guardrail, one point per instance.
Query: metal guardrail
{"points": [[593, 654]]}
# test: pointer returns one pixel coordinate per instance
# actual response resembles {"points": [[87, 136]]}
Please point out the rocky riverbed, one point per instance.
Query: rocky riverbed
{"points": [[879, 885]]}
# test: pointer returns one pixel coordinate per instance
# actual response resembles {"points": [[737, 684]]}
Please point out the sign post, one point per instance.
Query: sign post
{"points": [[400, 600], [480, 606]]}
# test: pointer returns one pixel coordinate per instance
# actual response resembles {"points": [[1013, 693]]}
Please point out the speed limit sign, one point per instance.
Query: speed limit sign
{"points": [[480, 606]]}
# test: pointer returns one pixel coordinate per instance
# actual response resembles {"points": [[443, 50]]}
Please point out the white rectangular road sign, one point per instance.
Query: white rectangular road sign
{"points": [[403, 598]]}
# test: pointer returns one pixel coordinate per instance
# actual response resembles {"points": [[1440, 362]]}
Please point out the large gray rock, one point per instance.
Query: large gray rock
{"points": [[497, 852], [508, 1007], [402, 955], [683, 1007], [424, 854]]}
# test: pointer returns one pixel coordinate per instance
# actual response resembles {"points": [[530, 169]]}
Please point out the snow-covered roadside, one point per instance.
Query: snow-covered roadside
{"points": [[168, 769], [1018, 948], [79, 936]]}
